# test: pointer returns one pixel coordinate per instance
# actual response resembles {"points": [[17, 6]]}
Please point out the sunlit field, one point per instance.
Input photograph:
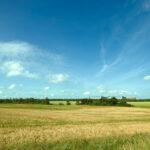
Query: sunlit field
{"points": [[74, 127], [140, 104]]}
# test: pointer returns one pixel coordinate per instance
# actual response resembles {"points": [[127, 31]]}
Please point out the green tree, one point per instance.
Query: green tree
{"points": [[46, 101]]}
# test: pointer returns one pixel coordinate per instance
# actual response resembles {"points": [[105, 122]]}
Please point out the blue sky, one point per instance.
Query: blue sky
{"points": [[70, 49]]}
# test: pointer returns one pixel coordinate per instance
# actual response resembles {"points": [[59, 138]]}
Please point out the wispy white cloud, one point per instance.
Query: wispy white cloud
{"points": [[31, 75], [5, 96], [119, 93], [46, 88], [12, 68], [104, 68], [1, 92], [52, 95], [101, 89], [147, 78], [86, 93], [18, 58], [12, 86], [135, 94], [123, 92], [146, 5], [20, 50], [15, 49], [102, 57], [113, 91], [127, 52], [102, 52], [133, 73], [58, 78]]}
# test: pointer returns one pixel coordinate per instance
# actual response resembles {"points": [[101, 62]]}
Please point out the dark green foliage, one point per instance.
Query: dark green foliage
{"points": [[86, 101], [68, 102], [25, 101], [113, 101], [61, 103], [77, 102], [47, 101], [105, 102], [123, 103], [98, 102]]}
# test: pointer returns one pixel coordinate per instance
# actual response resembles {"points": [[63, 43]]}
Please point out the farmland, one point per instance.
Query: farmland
{"points": [[74, 127], [140, 104]]}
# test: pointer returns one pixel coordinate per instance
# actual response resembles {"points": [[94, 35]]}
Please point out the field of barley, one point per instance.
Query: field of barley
{"points": [[74, 127]]}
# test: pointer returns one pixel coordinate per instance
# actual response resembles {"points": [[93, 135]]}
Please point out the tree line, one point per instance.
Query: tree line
{"points": [[98, 102]]}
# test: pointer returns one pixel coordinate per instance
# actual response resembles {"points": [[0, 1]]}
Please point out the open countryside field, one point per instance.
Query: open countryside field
{"points": [[74, 127], [140, 104]]}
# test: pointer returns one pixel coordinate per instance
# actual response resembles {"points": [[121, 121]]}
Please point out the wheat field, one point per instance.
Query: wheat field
{"points": [[51, 127]]}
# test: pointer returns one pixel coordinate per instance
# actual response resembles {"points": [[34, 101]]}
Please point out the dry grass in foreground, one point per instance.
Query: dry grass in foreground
{"points": [[34, 127]]}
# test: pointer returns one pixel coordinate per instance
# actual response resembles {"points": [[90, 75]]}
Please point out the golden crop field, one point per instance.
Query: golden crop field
{"points": [[51, 127]]}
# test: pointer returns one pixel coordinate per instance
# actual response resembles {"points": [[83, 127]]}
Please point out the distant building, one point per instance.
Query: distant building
{"points": [[134, 98], [102, 97], [124, 98]]}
